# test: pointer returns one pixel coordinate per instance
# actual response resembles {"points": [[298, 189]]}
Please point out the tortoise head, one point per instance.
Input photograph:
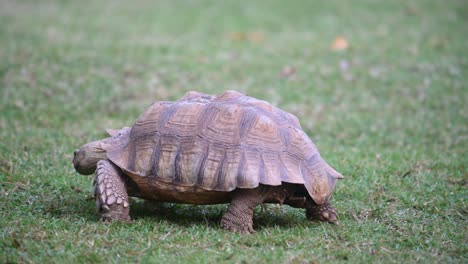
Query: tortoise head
{"points": [[85, 159]]}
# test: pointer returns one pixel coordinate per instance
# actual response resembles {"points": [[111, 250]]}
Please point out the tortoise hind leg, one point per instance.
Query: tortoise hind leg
{"points": [[324, 212], [239, 215], [110, 192]]}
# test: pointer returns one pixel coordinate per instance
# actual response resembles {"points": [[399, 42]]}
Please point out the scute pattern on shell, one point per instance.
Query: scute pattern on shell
{"points": [[221, 143]]}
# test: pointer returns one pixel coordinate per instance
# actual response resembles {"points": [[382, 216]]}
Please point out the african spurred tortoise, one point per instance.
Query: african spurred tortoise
{"points": [[205, 149]]}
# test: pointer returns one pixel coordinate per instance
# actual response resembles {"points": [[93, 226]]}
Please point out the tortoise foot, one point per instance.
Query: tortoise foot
{"points": [[241, 226], [114, 213], [324, 212], [115, 217]]}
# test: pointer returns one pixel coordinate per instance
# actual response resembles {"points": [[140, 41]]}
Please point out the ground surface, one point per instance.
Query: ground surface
{"points": [[389, 111]]}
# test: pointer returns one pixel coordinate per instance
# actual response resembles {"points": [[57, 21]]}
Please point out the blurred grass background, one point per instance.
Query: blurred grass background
{"points": [[389, 111]]}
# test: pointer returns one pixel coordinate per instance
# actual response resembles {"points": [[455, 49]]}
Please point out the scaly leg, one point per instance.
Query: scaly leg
{"points": [[110, 192], [239, 215]]}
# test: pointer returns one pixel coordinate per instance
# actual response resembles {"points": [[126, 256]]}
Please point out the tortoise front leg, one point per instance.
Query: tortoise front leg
{"points": [[110, 192]]}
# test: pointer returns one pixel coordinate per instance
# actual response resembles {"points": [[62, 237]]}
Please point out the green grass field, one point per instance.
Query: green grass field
{"points": [[390, 112]]}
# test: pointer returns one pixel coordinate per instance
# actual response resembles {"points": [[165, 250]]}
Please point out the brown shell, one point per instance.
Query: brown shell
{"points": [[219, 143]]}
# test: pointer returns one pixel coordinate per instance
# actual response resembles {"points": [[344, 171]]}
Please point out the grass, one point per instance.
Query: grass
{"points": [[390, 112]]}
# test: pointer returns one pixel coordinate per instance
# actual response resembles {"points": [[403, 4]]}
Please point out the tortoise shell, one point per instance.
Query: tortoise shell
{"points": [[220, 143]]}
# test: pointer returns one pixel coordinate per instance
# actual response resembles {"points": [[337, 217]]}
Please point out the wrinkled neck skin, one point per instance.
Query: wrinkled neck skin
{"points": [[86, 158]]}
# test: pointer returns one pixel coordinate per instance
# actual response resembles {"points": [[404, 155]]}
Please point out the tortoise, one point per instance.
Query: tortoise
{"points": [[204, 149]]}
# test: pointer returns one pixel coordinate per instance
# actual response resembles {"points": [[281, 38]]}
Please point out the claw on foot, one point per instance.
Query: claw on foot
{"points": [[237, 227], [324, 212], [330, 217]]}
